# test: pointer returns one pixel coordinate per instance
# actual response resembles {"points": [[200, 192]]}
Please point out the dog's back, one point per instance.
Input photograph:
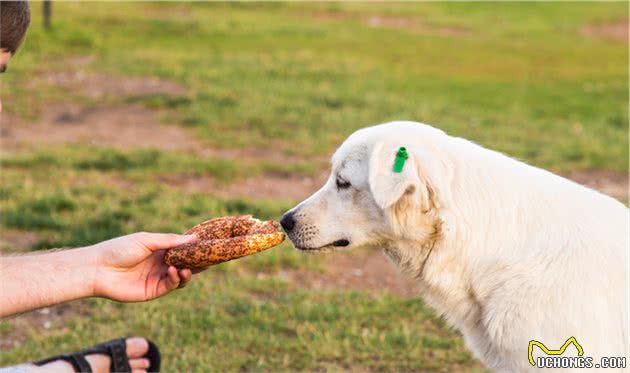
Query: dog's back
{"points": [[551, 261]]}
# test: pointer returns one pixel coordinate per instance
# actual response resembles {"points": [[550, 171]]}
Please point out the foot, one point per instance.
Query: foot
{"points": [[136, 348]]}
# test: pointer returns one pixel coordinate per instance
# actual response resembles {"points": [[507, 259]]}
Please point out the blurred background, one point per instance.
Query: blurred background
{"points": [[122, 117]]}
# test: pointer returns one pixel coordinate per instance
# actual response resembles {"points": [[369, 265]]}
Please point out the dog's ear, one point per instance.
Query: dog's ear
{"points": [[389, 187]]}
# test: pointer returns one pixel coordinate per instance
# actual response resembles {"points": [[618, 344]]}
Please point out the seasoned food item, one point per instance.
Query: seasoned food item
{"points": [[225, 238]]}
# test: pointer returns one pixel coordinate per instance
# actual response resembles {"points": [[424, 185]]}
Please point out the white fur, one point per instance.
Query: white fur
{"points": [[507, 252]]}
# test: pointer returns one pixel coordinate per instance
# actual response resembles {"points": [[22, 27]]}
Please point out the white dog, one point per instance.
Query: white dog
{"points": [[507, 252]]}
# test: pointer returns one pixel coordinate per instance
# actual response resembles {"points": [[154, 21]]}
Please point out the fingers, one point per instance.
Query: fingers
{"points": [[185, 275], [172, 278], [177, 279], [166, 282], [161, 241]]}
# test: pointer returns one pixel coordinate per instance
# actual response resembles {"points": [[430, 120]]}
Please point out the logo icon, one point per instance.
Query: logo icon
{"points": [[559, 351]]}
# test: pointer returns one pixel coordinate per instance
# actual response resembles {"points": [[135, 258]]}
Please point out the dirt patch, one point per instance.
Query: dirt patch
{"points": [[413, 24], [178, 11], [78, 61], [294, 188], [368, 270], [119, 126], [40, 321], [612, 183], [97, 85], [611, 31], [274, 151], [124, 127], [279, 187], [16, 241]]}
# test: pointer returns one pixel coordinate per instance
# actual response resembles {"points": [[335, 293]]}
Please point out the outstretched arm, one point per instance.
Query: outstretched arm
{"points": [[126, 269]]}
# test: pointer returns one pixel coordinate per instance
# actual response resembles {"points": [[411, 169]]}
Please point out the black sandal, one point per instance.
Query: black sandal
{"points": [[116, 349]]}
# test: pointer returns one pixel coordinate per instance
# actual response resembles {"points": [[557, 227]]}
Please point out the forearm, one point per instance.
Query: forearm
{"points": [[33, 281]]}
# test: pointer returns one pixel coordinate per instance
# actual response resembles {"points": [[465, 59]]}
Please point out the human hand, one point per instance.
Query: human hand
{"points": [[131, 268]]}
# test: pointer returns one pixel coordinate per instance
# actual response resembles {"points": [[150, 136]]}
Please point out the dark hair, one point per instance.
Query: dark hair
{"points": [[14, 20]]}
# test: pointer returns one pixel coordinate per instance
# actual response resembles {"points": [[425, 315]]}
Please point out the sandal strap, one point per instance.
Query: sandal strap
{"points": [[154, 358], [116, 349], [120, 361], [78, 362]]}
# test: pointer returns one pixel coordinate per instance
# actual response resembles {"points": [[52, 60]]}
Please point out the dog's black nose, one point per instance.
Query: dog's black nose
{"points": [[287, 221]]}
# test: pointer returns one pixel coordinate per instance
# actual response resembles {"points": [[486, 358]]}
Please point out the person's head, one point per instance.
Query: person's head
{"points": [[14, 20]]}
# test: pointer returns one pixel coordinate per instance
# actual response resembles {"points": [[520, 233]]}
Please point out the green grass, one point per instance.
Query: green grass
{"points": [[228, 323], [296, 79], [86, 214], [297, 74]]}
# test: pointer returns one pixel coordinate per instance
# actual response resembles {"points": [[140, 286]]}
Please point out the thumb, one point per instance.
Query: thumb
{"points": [[161, 241]]}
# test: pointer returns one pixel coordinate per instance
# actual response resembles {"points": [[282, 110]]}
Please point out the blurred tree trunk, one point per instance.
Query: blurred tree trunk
{"points": [[47, 13]]}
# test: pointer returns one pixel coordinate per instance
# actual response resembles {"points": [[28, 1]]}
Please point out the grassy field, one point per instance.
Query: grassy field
{"points": [[264, 92]]}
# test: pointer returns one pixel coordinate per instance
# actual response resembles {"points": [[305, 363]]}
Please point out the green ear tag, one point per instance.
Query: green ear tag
{"points": [[401, 157]]}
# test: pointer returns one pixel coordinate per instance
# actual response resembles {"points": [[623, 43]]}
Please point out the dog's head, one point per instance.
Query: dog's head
{"points": [[364, 202]]}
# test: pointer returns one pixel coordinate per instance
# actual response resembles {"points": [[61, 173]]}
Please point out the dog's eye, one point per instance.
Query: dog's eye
{"points": [[342, 184]]}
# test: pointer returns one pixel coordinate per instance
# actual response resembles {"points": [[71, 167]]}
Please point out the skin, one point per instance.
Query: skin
{"points": [[125, 269], [5, 56]]}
